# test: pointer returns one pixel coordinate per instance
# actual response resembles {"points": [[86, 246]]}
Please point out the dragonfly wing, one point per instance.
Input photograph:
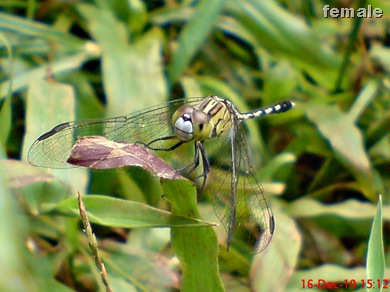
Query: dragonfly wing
{"points": [[253, 211], [53, 148], [238, 198]]}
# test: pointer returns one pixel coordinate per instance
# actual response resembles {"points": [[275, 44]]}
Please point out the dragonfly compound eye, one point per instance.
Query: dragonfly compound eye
{"points": [[183, 124], [202, 125]]}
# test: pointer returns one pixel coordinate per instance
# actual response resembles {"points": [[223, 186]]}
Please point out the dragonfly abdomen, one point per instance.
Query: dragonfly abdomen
{"points": [[278, 108]]}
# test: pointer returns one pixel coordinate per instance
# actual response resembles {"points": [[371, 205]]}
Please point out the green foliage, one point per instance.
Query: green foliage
{"points": [[322, 165], [196, 247], [375, 254]]}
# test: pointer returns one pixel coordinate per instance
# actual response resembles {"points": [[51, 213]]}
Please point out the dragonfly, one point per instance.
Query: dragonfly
{"points": [[215, 128]]}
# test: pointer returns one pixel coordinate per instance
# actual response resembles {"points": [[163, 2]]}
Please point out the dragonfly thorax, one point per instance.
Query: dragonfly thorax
{"points": [[191, 124]]}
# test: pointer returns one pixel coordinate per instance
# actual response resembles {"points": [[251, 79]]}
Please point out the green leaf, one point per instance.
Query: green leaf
{"points": [[365, 97], [128, 70], [49, 104], [352, 209], [114, 212], [282, 33], [193, 35], [13, 229], [276, 164], [196, 248], [375, 254], [346, 140], [153, 272], [5, 119], [139, 15], [5, 107], [36, 29], [19, 174], [275, 265], [66, 64]]}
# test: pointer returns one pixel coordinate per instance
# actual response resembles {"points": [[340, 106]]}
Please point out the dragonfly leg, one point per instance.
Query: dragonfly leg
{"points": [[199, 153], [206, 165], [173, 147], [194, 164]]}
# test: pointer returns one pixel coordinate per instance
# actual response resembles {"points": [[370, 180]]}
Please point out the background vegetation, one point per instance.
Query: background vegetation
{"points": [[322, 165]]}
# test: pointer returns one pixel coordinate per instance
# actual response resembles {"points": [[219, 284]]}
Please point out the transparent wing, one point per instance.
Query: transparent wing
{"points": [[53, 148], [238, 198]]}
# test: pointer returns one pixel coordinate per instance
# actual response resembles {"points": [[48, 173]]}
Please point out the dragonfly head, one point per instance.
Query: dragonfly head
{"points": [[191, 124]]}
